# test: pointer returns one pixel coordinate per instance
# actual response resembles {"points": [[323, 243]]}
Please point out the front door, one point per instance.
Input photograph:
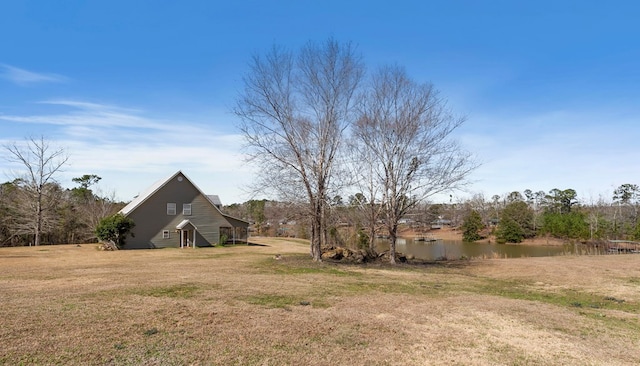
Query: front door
{"points": [[187, 239]]}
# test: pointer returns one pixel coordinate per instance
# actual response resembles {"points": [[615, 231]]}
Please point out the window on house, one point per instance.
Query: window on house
{"points": [[165, 234], [171, 208], [186, 209]]}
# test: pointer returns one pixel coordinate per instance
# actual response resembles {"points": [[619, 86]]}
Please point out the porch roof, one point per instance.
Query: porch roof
{"points": [[184, 224]]}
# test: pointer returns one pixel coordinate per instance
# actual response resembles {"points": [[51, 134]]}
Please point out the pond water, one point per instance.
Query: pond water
{"points": [[454, 249]]}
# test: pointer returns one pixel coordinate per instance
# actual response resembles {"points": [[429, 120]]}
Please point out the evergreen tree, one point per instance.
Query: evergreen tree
{"points": [[471, 227], [516, 223], [509, 231], [114, 229]]}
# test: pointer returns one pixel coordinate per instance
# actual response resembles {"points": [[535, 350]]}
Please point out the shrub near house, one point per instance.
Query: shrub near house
{"points": [[114, 229]]}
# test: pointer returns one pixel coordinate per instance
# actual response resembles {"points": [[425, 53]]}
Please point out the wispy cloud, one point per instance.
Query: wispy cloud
{"points": [[87, 116], [24, 77], [590, 150], [130, 149]]}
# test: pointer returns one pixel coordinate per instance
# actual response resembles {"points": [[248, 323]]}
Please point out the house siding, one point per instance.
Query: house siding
{"points": [[151, 217]]}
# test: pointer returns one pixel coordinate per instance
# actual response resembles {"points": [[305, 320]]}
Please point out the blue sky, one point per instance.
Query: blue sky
{"points": [[135, 90]]}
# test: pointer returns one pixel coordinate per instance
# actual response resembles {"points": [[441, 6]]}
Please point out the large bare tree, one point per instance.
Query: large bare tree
{"points": [[407, 127], [41, 163], [294, 110]]}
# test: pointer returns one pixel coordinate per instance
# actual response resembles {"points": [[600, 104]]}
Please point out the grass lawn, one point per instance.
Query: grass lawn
{"points": [[239, 305]]}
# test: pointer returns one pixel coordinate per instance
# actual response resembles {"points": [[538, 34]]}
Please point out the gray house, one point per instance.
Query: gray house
{"points": [[174, 212]]}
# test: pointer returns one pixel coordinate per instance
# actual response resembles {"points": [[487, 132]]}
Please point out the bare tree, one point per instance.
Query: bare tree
{"points": [[95, 209], [91, 207], [479, 203], [407, 127], [294, 110], [367, 201], [42, 163], [628, 196]]}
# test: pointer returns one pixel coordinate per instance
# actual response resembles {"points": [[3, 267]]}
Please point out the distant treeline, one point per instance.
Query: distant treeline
{"points": [[511, 217], [72, 215], [66, 216], [557, 213]]}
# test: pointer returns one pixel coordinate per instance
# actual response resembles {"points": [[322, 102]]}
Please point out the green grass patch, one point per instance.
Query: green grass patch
{"points": [[321, 269], [565, 298], [589, 305], [177, 291], [273, 301], [634, 280], [320, 303], [409, 288], [151, 331], [69, 306], [349, 338], [287, 301], [615, 323], [209, 255], [302, 265]]}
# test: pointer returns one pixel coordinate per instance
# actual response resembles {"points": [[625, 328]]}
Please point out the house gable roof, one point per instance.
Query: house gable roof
{"points": [[155, 187], [215, 199], [142, 197]]}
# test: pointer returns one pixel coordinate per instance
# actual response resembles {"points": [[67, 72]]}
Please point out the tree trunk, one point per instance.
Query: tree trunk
{"points": [[316, 233], [372, 238], [324, 241], [372, 227], [38, 228], [393, 235], [316, 252]]}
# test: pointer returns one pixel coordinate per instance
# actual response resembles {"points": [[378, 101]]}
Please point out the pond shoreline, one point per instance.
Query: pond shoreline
{"points": [[454, 234]]}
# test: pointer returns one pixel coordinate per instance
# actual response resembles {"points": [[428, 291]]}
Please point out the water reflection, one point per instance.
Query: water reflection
{"points": [[454, 249]]}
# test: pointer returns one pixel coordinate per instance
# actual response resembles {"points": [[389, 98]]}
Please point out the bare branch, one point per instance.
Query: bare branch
{"points": [[41, 164], [294, 111]]}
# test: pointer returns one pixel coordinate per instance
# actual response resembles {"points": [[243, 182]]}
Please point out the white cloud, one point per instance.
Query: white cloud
{"points": [[591, 150], [130, 150], [24, 77], [87, 115]]}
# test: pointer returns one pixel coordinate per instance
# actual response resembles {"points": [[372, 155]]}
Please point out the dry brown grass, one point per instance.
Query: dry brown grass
{"points": [[239, 305]]}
